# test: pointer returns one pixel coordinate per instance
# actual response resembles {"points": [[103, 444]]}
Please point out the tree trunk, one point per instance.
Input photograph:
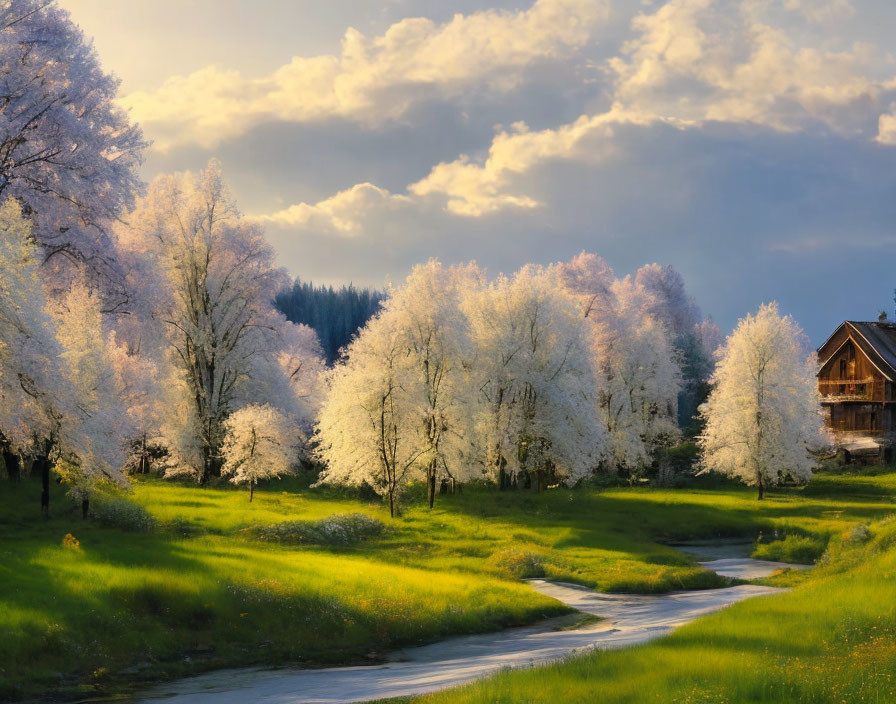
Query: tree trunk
{"points": [[502, 478], [144, 459], [761, 490], [210, 467], [13, 464], [391, 503], [431, 483], [251, 489], [85, 508], [44, 465]]}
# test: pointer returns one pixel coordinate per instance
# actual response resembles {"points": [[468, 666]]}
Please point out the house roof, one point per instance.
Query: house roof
{"points": [[876, 339]]}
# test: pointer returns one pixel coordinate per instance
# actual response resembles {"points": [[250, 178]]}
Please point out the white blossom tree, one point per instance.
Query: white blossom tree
{"points": [[397, 408], [94, 448], [368, 428], [212, 282], [260, 442], [289, 375], [763, 416], [31, 414], [58, 400], [634, 361], [67, 153], [649, 376], [535, 411], [137, 379], [711, 339], [667, 301], [426, 313]]}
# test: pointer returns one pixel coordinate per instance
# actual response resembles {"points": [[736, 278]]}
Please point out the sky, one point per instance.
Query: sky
{"points": [[751, 144]]}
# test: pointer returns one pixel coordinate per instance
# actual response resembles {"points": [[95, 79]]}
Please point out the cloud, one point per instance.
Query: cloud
{"points": [[474, 189], [822, 10], [722, 60], [342, 214], [742, 141], [373, 80], [470, 188], [886, 127], [691, 63], [745, 213]]}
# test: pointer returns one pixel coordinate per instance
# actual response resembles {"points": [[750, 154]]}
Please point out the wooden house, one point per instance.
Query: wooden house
{"points": [[857, 378]]}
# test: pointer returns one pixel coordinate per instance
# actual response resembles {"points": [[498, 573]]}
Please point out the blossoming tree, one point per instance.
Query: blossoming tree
{"points": [[259, 443], [763, 416]]}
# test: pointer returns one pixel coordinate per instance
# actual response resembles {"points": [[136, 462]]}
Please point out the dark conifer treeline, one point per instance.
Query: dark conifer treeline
{"points": [[335, 314]]}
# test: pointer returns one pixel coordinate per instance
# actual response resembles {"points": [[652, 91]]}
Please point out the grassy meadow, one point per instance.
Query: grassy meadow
{"points": [[110, 608], [831, 639]]}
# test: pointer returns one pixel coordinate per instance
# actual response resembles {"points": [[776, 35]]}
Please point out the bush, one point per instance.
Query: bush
{"points": [[338, 529], [798, 549], [119, 512], [857, 534], [517, 564], [70, 541]]}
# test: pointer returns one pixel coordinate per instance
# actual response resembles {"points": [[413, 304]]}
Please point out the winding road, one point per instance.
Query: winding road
{"points": [[626, 619]]}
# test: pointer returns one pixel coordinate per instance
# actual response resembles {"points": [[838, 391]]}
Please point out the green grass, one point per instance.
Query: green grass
{"points": [[198, 592], [831, 639]]}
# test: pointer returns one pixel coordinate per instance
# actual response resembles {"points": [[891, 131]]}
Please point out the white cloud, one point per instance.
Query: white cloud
{"points": [[690, 63], [721, 60], [373, 80], [468, 188], [342, 214], [474, 189], [886, 127]]}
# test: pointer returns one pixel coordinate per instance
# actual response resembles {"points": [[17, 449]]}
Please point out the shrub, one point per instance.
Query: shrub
{"points": [[857, 534], [338, 529], [119, 512], [70, 541], [517, 564], [792, 548]]}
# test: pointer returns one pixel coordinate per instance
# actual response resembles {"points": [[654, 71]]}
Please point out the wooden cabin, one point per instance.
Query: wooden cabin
{"points": [[857, 378]]}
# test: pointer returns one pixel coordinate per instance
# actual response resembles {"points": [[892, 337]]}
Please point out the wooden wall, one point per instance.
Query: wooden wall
{"points": [[856, 404]]}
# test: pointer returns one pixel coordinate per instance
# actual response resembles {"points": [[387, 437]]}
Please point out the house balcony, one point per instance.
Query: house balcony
{"points": [[840, 390]]}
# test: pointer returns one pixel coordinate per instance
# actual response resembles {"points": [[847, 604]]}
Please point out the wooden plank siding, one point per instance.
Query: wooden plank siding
{"points": [[857, 394]]}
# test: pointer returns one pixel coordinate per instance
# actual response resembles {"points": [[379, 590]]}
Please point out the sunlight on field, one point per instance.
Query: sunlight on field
{"points": [[199, 592], [831, 639], [562, 535]]}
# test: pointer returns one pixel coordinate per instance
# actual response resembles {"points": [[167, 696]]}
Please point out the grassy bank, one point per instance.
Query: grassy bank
{"points": [[201, 591], [831, 639]]}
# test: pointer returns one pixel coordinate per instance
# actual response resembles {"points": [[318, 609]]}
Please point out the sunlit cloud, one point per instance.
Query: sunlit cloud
{"points": [[886, 127], [692, 62], [723, 136], [474, 189], [373, 79], [723, 61], [342, 214]]}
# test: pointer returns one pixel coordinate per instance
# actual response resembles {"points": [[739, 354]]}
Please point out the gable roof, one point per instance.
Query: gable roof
{"points": [[877, 341]]}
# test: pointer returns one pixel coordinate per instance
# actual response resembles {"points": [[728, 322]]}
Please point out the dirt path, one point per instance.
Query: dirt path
{"points": [[626, 619]]}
